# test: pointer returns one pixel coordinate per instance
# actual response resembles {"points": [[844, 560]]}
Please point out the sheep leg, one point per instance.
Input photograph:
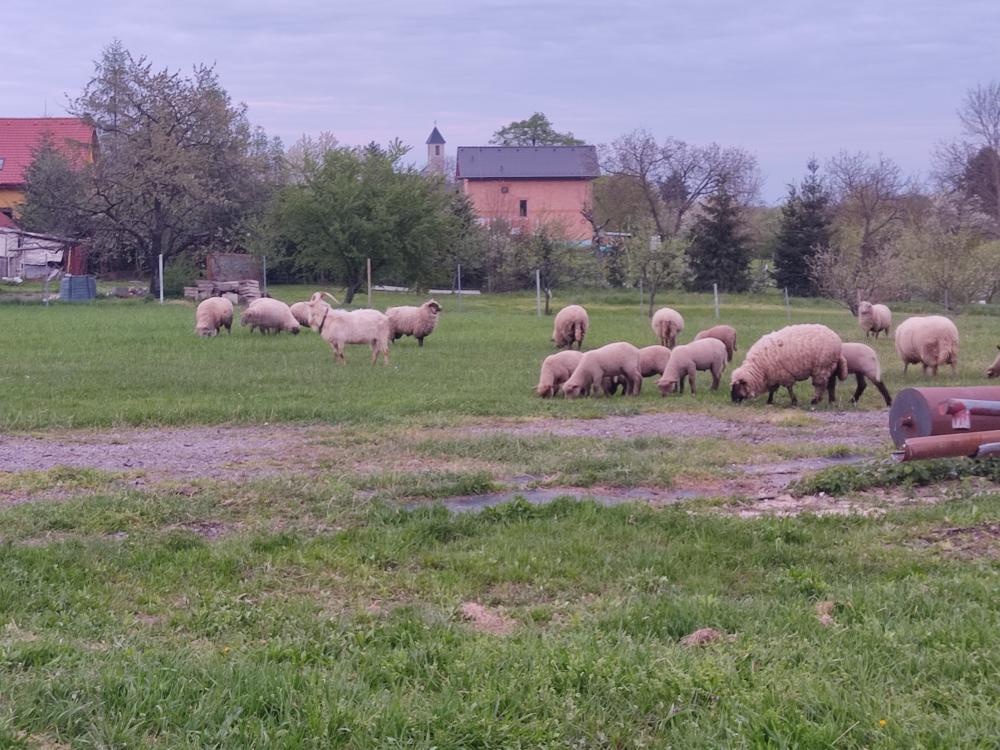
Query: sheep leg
{"points": [[862, 384], [831, 389], [791, 395], [716, 372], [634, 380], [884, 391], [420, 341], [691, 372], [770, 394]]}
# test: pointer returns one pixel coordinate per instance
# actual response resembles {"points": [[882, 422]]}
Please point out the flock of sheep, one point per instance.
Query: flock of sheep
{"points": [[337, 327], [807, 351]]}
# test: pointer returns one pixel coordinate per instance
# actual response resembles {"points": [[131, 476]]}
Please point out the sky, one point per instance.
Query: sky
{"points": [[787, 80]]}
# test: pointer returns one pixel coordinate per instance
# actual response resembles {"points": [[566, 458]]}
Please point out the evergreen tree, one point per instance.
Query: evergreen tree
{"points": [[805, 228], [719, 252]]}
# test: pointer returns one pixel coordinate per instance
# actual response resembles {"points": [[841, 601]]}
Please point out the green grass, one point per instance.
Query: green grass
{"points": [[129, 362], [310, 609]]}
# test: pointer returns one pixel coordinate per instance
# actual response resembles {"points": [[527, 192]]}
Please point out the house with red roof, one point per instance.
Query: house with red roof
{"points": [[20, 138]]}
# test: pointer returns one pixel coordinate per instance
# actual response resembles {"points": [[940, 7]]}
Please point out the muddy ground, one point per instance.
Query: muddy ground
{"points": [[245, 452]]}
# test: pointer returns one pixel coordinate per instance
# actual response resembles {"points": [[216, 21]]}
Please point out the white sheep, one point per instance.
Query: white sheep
{"points": [[556, 370], [301, 312], [994, 370], [619, 359], [931, 340], [687, 359], [874, 318], [269, 315], [212, 314], [780, 358], [340, 327], [652, 361], [725, 334], [570, 327], [667, 323], [862, 362], [419, 322]]}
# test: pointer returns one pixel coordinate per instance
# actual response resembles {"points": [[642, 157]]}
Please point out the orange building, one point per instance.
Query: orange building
{"points": [[531, 186], [20, 138]]}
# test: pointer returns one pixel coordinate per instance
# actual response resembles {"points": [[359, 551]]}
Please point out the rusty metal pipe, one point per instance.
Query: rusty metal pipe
{"points": [[920, 412], [946, 446]]}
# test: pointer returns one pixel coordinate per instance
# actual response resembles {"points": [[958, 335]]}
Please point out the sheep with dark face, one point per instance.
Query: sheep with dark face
{"points": [[796, 352], [862, 362], [418, 322]]}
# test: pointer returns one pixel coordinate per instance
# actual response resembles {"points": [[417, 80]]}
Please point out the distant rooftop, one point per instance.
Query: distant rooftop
{"points": [[538, 162], [20, 136], [435, 137]]}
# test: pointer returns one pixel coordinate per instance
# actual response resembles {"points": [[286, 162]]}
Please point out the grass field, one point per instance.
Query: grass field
{"points": [[334, 603]]}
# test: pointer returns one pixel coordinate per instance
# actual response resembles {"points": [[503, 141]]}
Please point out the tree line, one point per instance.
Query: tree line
{"points": [[182, 173]]}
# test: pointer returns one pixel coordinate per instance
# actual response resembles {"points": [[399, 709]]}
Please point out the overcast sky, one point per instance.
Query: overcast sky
{"points": [[785, 80]]}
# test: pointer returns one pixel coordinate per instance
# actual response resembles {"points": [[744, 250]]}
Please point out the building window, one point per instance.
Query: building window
{"points": [[504, 189], [523, 208], [1, 162], [437, 151]]}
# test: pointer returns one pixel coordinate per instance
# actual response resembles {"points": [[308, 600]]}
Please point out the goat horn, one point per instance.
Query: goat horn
{"points": [[335, 300]]}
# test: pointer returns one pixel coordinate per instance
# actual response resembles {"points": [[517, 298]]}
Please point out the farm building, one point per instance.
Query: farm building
{"points": [[20, 138], [27, 255], [531, 186]]}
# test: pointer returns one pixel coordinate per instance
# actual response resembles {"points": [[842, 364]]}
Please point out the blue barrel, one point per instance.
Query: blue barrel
{"points": [[78, 288]]}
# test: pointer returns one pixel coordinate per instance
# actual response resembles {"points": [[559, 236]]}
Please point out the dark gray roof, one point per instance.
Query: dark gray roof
{"points": [[513, 162], [435, 136]]}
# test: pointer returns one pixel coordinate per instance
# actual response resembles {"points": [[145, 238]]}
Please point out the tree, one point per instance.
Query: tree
{"points": [[667, 181], [180, 167], [55, 188], [871, 202], [361, 203], [805, 228], [719, 252], [535, 131]]}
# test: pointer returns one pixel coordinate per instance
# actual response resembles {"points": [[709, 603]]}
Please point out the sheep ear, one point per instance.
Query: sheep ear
{"points": [[316, 297]]}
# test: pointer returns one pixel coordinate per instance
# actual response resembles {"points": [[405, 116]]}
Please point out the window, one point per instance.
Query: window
{"points": [[437, 151], [523, 208], [1, 162], [504, 189]]}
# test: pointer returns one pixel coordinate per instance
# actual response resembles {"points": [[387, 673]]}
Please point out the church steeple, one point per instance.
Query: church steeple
{"points": [[435, 152]]}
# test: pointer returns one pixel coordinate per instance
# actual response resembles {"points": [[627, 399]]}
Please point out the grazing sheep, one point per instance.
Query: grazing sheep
{"points": [[780, 358], [863, 362], [301, 312], [340, 327], [725, 334], [556, 370], [570, 327], [212, 314], [652, 361], [874, 318], [269, 315], [611, 360], [994, 369], [667, 323], [686, 359], [418, 322], [931, 340]]}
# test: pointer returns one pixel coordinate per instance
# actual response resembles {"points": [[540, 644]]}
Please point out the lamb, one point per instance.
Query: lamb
{"points": [[863, 362], [725, 334], [619, 359], [556, 370], [780, 358], [570, 327], [340, 327], [994, 369], [931, 340], [652, 361], [667, 323], [212, 314], [301, 312], [269, 315], [874, 318], [418, 322], [686, 359]]}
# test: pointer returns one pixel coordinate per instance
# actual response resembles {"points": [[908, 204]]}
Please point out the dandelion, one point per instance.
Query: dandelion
{"points": [[882, 722]]}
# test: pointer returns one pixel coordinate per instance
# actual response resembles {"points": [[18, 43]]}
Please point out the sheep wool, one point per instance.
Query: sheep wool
{"points": [[862, 362], [667, 323], [781, 358], [419, 322], [570, 327], [874, 318], [301, 312], [931, 340], [270, 316], [994, 370], [687, 359], [725, 334], [212, 314], [556, 370], [620, 359], [340, 327]]}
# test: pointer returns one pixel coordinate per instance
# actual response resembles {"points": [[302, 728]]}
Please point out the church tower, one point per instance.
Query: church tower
{"points": [[435, 152]]}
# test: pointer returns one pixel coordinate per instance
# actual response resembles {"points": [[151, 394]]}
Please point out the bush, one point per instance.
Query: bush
{"points": [[180, 272]]}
